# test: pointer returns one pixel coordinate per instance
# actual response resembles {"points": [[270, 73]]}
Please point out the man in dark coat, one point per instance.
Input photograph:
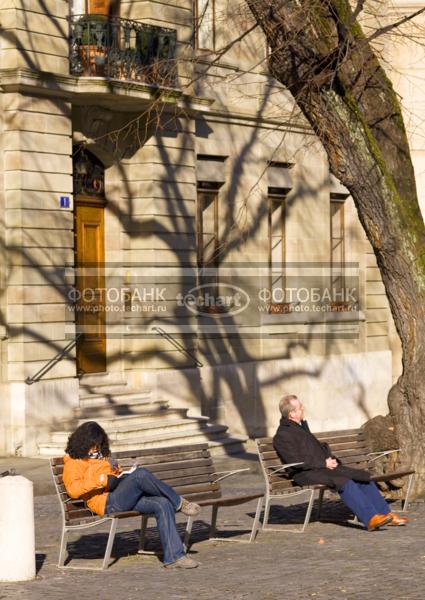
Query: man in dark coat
{"points": [[295, 443]]}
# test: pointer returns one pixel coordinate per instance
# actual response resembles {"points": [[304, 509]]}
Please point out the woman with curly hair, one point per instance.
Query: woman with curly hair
{"points": [[92, 475]]}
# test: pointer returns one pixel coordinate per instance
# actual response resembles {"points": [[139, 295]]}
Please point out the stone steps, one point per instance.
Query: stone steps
{"points": [[137, 430], [134, 420], [112, 409], [111, 417], [215, 435], [101, 399]]}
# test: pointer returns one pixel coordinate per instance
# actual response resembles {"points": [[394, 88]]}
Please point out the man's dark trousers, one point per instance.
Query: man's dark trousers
{"points": [[364, 499]]}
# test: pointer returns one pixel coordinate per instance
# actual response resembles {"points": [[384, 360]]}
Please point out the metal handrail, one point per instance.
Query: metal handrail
{"points": [[112, 47], [53, 361], [176, 344]]}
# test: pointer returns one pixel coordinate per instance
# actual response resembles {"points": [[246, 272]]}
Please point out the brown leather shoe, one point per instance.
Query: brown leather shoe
{"points": [[397, 520], [378, 521]]}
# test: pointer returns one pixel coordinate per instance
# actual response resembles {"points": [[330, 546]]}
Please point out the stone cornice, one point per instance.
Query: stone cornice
{"points": [[97, 90]]}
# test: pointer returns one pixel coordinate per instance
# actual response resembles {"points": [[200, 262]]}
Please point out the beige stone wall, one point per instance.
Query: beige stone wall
{"points": [[37, 171], [339, 391], [158, 190], [243, 377], [34, 35]]}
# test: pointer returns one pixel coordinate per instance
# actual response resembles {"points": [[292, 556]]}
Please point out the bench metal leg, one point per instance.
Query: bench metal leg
{"points": [[187, 533], [213, 526], [266, 512], [256, 523], [111, 537], [62, 551], [320, 503], [107, 555], [266, 527], [405, 502], [254, 528], [142, 537]]}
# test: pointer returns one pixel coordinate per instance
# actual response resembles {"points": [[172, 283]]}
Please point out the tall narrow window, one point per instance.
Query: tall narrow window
{"points": [[205, 24], [277, 246], [337, 234], [208, 233]]}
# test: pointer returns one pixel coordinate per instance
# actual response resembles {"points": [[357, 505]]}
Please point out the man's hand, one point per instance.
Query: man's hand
{"points": [[331, 463]]}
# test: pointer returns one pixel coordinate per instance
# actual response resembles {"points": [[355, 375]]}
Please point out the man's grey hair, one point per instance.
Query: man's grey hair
{"points": [[285, 404]]}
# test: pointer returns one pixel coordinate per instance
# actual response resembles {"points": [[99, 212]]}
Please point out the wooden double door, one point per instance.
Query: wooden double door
{"points": [[90, 284]]}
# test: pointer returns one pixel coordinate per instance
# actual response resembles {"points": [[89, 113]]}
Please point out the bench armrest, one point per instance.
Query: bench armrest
{"points": [[225, 474], [381, 454], [283, 467], [78, 501]]}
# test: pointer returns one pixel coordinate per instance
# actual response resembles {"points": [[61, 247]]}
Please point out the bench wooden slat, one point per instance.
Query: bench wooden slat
{"points": [[196, 488], [280, 477], [354, 460], [359, 451], [184, 449], [272, 463], [360, 445], [187, 464], [199, 496], [148, 461], [343, 442], [191, 479], [269, 455], [79, 514], [163, 454], [267, 448], [231, 500], [393, 475], [281, 485], [207, 469], [265, 440], [339, 433]]}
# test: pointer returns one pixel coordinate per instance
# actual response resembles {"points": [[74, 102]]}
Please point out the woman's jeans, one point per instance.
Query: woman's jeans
{"points": [[143, 492]]}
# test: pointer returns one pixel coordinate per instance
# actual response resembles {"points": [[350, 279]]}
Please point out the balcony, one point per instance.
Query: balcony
{"points": [[116, 48]]}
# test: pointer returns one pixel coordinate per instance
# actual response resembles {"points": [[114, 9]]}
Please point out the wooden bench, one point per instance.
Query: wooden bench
{"points": [[188, 469], [349, 446]]}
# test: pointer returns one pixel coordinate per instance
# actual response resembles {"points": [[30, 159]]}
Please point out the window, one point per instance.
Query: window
{"points": [[208, 233], [337, 258], [277, 245], [205, 24]]}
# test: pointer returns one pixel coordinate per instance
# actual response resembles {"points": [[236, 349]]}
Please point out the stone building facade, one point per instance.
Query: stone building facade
{"points": [[151, 186]]}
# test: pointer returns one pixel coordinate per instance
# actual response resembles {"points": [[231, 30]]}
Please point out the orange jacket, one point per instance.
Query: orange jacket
{"points": [[87, 478]]}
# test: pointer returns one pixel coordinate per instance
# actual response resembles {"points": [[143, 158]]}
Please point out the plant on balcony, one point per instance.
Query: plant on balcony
{"points": [[92, 30], [92, 37]]}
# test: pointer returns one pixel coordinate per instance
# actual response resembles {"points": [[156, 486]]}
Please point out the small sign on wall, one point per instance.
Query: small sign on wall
{"points": [[65, 202]]}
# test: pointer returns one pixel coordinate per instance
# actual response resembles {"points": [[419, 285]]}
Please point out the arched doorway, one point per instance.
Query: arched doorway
{"points": [[89, 245]]}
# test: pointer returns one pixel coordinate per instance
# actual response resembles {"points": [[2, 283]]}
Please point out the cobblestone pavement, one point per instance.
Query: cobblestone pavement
{"points": [[331, 560]]}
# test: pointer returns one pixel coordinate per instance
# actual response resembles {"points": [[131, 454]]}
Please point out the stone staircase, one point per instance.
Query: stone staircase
{"points": [[133, 420]]}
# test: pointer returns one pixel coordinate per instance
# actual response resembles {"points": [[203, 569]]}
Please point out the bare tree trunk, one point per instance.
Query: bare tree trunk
{"points": [[320, 54]]}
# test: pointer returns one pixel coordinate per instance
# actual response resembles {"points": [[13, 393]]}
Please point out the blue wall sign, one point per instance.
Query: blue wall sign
{"points": [[64, 202]]}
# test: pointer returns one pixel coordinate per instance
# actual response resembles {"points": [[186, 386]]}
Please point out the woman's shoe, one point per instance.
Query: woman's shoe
{"points": [[183, 563], [190, 509]]}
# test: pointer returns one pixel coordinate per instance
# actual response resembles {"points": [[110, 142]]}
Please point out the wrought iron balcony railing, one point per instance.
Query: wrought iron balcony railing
{"points": [[118, 48]]}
